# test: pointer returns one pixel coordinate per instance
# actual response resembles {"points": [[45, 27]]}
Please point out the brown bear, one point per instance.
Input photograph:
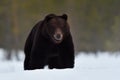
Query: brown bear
{"points": [[49, 43]]}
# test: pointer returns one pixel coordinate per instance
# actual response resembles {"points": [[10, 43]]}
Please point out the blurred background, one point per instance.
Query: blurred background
{"points": [[95, 24]]}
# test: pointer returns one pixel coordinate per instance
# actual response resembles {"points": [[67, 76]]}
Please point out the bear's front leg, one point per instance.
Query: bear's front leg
{"points": [[67, 53], [37, 62]]}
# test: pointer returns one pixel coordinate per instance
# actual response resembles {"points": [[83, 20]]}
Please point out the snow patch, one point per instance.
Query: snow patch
{"points": [[102, 66]]}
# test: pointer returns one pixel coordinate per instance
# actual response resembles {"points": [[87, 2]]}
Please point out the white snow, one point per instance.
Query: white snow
{"points": [[103, 66]]}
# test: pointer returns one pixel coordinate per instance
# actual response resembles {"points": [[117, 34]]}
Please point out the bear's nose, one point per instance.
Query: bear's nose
{"points": [[58, 37]]}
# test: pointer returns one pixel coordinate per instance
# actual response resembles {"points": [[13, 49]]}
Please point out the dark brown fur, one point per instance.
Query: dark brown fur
{"points": [[41, 47]]}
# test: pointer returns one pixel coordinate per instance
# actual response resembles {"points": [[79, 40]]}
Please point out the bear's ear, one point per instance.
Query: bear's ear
{"points": [[64, 16], [49, 16]]}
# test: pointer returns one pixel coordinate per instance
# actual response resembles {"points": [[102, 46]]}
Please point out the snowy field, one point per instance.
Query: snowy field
{"points": [[87, 67]]}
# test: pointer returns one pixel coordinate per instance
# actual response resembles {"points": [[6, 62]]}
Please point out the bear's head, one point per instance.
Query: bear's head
{"points": [[55, 28]]}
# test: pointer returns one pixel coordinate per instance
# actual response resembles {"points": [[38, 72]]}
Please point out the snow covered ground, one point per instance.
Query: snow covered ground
{"points": [[87, 67]]}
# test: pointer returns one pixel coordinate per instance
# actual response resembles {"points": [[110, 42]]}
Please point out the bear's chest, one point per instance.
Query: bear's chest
{"points": [[54, 51]]}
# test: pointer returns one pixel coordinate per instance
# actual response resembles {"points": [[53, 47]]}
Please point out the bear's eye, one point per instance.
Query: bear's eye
{"points": [[50, 30], [63, 24]]}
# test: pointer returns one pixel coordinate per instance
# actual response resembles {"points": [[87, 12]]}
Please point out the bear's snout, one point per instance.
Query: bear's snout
{"points": [[58, 37]]}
